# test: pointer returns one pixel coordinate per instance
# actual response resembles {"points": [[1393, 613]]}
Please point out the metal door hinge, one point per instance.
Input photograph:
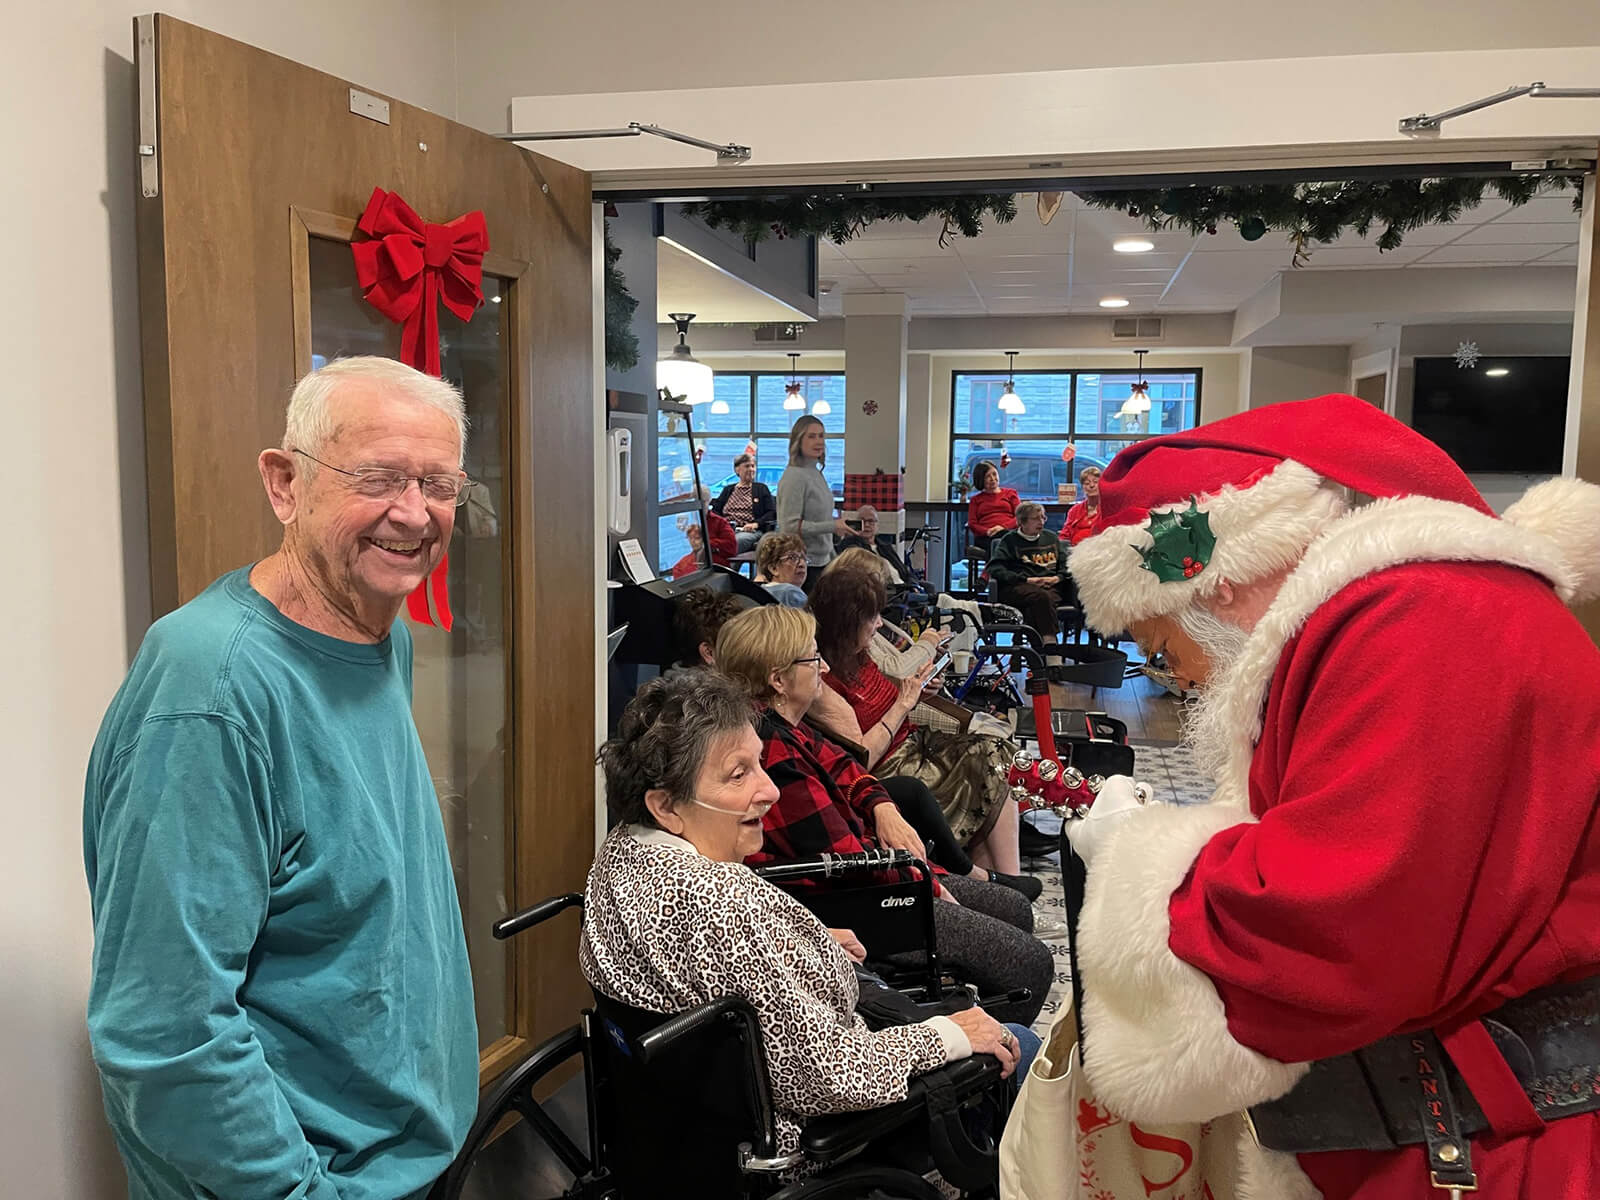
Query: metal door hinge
{"points": [[144, 57]]}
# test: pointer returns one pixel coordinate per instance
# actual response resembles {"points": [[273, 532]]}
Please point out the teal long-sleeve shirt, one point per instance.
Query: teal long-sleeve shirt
{"points": [[281, 1007]]}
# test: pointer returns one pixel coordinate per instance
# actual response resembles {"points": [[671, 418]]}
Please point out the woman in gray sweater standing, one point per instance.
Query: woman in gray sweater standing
{"points": [[805, 504]]}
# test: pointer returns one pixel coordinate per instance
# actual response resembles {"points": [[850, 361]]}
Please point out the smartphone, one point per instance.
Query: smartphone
{"points": [[940, 663]]}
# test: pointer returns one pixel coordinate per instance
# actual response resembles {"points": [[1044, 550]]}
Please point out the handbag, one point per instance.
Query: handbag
{"points": [[966, 772], [1061, 1144]]}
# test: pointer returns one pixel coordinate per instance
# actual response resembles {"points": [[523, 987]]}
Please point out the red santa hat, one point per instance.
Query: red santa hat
{"points": [[1242, 498]]}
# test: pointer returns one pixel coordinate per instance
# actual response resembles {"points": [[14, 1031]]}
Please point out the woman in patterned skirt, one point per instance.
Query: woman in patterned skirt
{"points": [[673, 918]]}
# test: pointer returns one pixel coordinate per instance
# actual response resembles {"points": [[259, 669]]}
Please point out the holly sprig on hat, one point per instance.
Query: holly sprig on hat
{"points": [[1182, 544]]}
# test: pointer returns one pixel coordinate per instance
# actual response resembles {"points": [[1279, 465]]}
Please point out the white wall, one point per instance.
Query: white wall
{"points": [[1279, 373], [631, 45], [78, 601]]}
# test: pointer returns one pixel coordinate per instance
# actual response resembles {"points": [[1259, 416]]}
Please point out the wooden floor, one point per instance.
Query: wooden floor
{"points": [[1149, 711]]}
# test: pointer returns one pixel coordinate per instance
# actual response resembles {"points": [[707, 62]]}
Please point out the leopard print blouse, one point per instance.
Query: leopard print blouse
{"points": [[666, 929]]}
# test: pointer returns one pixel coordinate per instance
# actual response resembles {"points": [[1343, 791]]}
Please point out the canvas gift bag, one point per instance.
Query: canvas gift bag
{"points": [[1060, 1144]]}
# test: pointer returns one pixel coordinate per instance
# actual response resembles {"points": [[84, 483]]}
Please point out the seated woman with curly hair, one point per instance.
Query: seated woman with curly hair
{"points": [[827, 803], [673, 918], [963, 771]]}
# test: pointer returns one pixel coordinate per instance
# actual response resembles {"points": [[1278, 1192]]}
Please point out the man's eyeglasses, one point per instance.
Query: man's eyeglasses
{"points": [[381, 483]]}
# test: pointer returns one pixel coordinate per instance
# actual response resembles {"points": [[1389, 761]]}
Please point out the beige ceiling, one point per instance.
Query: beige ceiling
{"points": [[1024, 268]]}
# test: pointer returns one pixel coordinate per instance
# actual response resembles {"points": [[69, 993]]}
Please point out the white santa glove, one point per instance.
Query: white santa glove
{"points": [[1119, 795]]}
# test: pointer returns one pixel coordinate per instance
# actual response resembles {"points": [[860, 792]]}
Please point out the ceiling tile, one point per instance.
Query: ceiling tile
{"points": [[1503, 233], [1456, 252], [1557, 208], [1566, 256]]}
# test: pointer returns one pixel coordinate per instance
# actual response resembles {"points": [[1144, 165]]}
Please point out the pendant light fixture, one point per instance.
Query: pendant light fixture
{"points": [[1138, 401], [1010, 402], [680, 374], [720, 408], [821, 408], [793, 400]]}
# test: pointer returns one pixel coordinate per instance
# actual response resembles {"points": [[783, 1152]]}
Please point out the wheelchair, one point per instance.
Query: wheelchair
{"points": [[681, 1104]]}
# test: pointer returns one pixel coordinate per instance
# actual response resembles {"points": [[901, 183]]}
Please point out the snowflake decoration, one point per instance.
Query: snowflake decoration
{"points": [[870, 407], [1467, 355]]}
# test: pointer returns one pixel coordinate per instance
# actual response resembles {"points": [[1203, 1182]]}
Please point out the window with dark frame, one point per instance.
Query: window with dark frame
{"points": [[755, 415], [1061, 406]]}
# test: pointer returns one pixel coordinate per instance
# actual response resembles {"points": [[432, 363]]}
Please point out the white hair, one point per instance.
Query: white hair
{"points": [[311, 420], [1027, 509], [1204, 729], [865, 511]]}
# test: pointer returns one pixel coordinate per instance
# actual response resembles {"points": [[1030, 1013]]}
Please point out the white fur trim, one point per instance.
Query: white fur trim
{"points": [[1383, 534], [1566, 511], [1259, 529], [1155, 1037]]}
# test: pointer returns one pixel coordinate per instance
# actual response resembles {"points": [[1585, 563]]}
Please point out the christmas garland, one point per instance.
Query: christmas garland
{"points": [[1316, 213], [1309, 214], [842, 217], [622, 344]]}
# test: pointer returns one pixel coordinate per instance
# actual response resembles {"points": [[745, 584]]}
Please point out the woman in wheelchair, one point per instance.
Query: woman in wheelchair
{"points": [[828, 803], [673, 918]]}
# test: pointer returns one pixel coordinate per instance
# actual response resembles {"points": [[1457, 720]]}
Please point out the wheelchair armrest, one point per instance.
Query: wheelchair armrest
{"points": [[529, 917], [736, 1009], [828, 1139]]}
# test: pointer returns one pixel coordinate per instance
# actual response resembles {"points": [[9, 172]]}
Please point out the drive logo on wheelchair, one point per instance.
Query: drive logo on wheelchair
{"points": [[897, 902]]}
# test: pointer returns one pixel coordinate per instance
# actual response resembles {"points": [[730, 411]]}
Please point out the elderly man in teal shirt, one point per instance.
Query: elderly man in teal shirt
{"points": [[281, 1007]]}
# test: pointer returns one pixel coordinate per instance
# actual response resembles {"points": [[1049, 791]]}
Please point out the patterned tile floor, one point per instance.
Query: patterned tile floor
{"points": [[1172, 772]]}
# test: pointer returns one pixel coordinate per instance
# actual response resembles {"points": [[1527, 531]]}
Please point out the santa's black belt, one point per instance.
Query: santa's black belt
{"points": [[1392, 1093]]}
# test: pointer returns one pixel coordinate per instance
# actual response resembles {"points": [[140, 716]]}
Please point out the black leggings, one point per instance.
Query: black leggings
{"points": [[921, 810]]}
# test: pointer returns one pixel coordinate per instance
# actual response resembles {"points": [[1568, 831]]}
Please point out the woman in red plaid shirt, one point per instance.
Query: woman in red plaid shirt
{"points": [[827, 803]]}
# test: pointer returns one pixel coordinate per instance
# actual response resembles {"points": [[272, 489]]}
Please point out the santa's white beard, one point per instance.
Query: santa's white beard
{"points": [[1203, 729]]}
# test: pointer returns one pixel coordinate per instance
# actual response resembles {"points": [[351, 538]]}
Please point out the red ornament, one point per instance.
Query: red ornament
{"points": [[870, 407]]}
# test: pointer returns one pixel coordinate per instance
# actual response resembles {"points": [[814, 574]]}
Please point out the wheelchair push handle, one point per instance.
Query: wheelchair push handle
{"points": [[832, 866], [540, 912]]}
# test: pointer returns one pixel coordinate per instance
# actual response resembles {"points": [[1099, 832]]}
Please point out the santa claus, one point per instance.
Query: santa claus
{"points": [[1403, 720]]}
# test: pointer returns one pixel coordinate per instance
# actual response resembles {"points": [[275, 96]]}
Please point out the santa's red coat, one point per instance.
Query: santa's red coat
{"points": [[1423, 849]]}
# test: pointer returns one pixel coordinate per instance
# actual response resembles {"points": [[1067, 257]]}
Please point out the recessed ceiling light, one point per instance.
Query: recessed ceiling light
{"points": [[1113, 302], [1132, 245], [1496, 372]]}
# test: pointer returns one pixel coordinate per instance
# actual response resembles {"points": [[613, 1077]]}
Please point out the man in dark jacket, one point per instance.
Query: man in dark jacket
{"points": [[1030, 566], [747, 505]]}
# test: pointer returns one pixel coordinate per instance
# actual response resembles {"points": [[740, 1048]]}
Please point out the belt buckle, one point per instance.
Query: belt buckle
{"points": [[1454, 1190]]}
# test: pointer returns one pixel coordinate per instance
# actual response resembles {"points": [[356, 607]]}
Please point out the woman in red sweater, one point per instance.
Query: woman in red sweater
{"points": [[1083, 518], [992, 509]]}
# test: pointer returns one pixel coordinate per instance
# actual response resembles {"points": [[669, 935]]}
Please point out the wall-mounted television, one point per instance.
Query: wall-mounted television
{"points": [[1502, 415]]}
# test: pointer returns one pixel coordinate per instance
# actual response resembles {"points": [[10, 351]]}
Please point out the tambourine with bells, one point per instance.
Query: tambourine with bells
{"points": [[1044, 784]]}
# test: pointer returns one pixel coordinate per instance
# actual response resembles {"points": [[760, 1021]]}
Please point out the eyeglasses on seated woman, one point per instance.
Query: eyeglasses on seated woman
{"points": [[828, 803]]}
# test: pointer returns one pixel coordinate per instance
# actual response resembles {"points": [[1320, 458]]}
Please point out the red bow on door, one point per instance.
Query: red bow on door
{"points": [[410, 267], [406, 269]]}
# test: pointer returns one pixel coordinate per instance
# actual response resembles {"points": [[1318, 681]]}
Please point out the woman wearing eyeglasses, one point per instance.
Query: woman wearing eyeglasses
{"points": [[781, 568], [827, 803]]}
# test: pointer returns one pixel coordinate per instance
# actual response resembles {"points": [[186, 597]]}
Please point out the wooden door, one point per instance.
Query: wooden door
{"points": [[254, 171]]}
